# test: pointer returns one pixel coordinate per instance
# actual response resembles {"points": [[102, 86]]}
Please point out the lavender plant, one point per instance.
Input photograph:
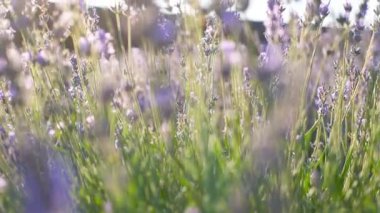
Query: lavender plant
{"points": [[129, 112]]}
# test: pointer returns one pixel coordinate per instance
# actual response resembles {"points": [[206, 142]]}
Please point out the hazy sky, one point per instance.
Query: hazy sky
{"points": [[257, 8]]}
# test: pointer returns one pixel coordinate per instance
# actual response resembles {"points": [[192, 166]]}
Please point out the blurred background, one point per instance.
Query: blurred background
{"points": [[256, 10]]}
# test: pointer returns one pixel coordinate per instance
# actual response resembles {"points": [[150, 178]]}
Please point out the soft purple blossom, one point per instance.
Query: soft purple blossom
{"points": [[103, 42], [165, 101], [142, 101], [47, 179], [164, 32], [324, 9], [84, 46], [347, 7], [231, 22], [42, 58]]}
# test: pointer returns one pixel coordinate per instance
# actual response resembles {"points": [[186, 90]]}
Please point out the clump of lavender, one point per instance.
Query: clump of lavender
{"points": [[76, 89], [314, 14], [164, 31], [42, 58], [270, 62], [92, 19], [165, 101], [275, 25], [321, 101], [345, 18], [231, 22], [46, 178], [99, 42], [359, 22], [231, 56], [209, 45]]}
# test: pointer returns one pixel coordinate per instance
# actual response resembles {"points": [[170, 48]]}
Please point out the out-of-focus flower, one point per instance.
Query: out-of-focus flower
{"points": [[343, 20], [90, 120], [208, 40], [230, 56], [270, 61], [321, 101], [14, 62], [324, 10], [231, 22], [142, 101], [46, 177], [363, 8], [63, 24], [347, 7], [84, 46], [108, 92], [42, 58], [6, 33], [230, 52], [275, 26], [21, 22], [165, 101], [131, 115], [3, 65], [164, 32], [26, 57], [102, 43]]}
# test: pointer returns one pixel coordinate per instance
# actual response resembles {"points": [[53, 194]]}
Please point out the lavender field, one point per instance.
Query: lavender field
{"points": [[188, 108]]}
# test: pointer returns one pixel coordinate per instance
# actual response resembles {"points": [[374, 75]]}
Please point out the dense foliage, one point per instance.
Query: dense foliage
{"points": [[192, 113]]}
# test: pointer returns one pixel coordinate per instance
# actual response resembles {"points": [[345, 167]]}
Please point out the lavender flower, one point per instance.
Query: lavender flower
{"points": [[165, 101], [6, 33], [321, 101], [231, 22], [42, 58], [142, 101], [362, 9], [84, 46], [164, 32], [275, 26], [347, 7], [103, 43], [324, 10], [47, 180], [208, 41], [270, 62], [21, 22], [231, 56]]}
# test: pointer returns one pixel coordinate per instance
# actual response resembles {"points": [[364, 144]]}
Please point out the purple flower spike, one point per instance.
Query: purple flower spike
{"points": [[347, 7], [324, 10], [271, 4]]}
